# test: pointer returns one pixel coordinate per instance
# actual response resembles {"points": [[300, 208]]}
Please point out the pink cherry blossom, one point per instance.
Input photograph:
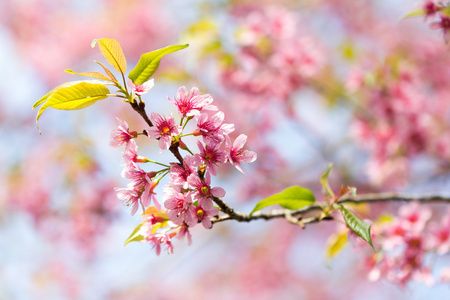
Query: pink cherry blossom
{"points": [[444, 25], [130, 197], [415, 216], [122, 134], [130, 154], [439, 237], [142, 88], [211, 156], [190, 104], [159, 239], [179, 173], [212, 128], [204, 214], [180, 209], [203, 191], [163, 129], [184, 232], [140, 189], [237, 154]]}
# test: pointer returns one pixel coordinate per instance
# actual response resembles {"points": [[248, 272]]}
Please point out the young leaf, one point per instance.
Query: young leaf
{"points": [[335, 244], [74, 95], [108, 72], [414, 13], [294, 197], [90, 74], [45, 98], [324, 181], [358, 226], [111, 50], [135, 236], [149, 63]]}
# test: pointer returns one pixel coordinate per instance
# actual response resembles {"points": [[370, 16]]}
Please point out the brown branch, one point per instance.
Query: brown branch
{"points": [[289, 214], [392, 196], [140, 109], [174, 149]]}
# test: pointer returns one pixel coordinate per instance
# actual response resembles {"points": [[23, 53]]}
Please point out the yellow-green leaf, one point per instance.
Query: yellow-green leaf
{"points": [[415, 13], [135, 236], [90, 74], [43, 99], [335, 244], [149, 63], [324, 181], [74, 95], [293, 197], [111, 50]]}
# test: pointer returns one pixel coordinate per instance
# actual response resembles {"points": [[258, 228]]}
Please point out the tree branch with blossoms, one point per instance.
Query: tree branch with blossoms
{"points": [[189, 199]]}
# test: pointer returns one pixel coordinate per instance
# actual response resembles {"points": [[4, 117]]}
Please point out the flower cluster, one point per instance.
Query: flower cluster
{"points": [[276, 56], [403, 119], [404, 243], [188, 197]]}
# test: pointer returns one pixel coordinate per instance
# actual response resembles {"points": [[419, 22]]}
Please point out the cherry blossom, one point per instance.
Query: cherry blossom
{"points": [[237, 154], [179, 173], [180, 209], [204, 213], [143, 88], [443, 25], [192, 103], [211, 156], [122, 134], [212, 128], [204, 192], [157, 240], [164, 129]]}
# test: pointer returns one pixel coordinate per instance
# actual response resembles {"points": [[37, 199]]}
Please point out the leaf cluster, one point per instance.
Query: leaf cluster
{"points": [[75, 95]]}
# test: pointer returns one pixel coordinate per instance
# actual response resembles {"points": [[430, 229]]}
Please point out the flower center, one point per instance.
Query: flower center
{"points": [[205, 190], [165, 129]]}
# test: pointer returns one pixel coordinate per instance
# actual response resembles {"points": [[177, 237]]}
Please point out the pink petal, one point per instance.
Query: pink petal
{"points": [[217, 192], [240, 141]]}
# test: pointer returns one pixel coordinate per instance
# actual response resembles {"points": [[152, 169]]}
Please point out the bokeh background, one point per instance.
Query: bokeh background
{"points": [[310, 82]]}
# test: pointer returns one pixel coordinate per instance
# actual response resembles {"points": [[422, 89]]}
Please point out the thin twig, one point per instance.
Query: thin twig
{"points": [[289, 214]]}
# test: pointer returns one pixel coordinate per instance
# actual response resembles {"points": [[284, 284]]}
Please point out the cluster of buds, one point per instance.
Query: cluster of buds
{"points": [[188, 198]]}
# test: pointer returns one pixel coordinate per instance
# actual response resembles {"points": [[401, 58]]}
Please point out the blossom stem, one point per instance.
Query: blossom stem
{"points": [[125, 84], [155, 162], [187, 121]]}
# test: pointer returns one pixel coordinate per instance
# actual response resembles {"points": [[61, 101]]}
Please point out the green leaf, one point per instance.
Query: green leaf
{"points": [[135, 236], [415, 13], [335, 244], [324, 181], [73, 95], [111, 50], [149, 63], [294, 197], [358, 226]]}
